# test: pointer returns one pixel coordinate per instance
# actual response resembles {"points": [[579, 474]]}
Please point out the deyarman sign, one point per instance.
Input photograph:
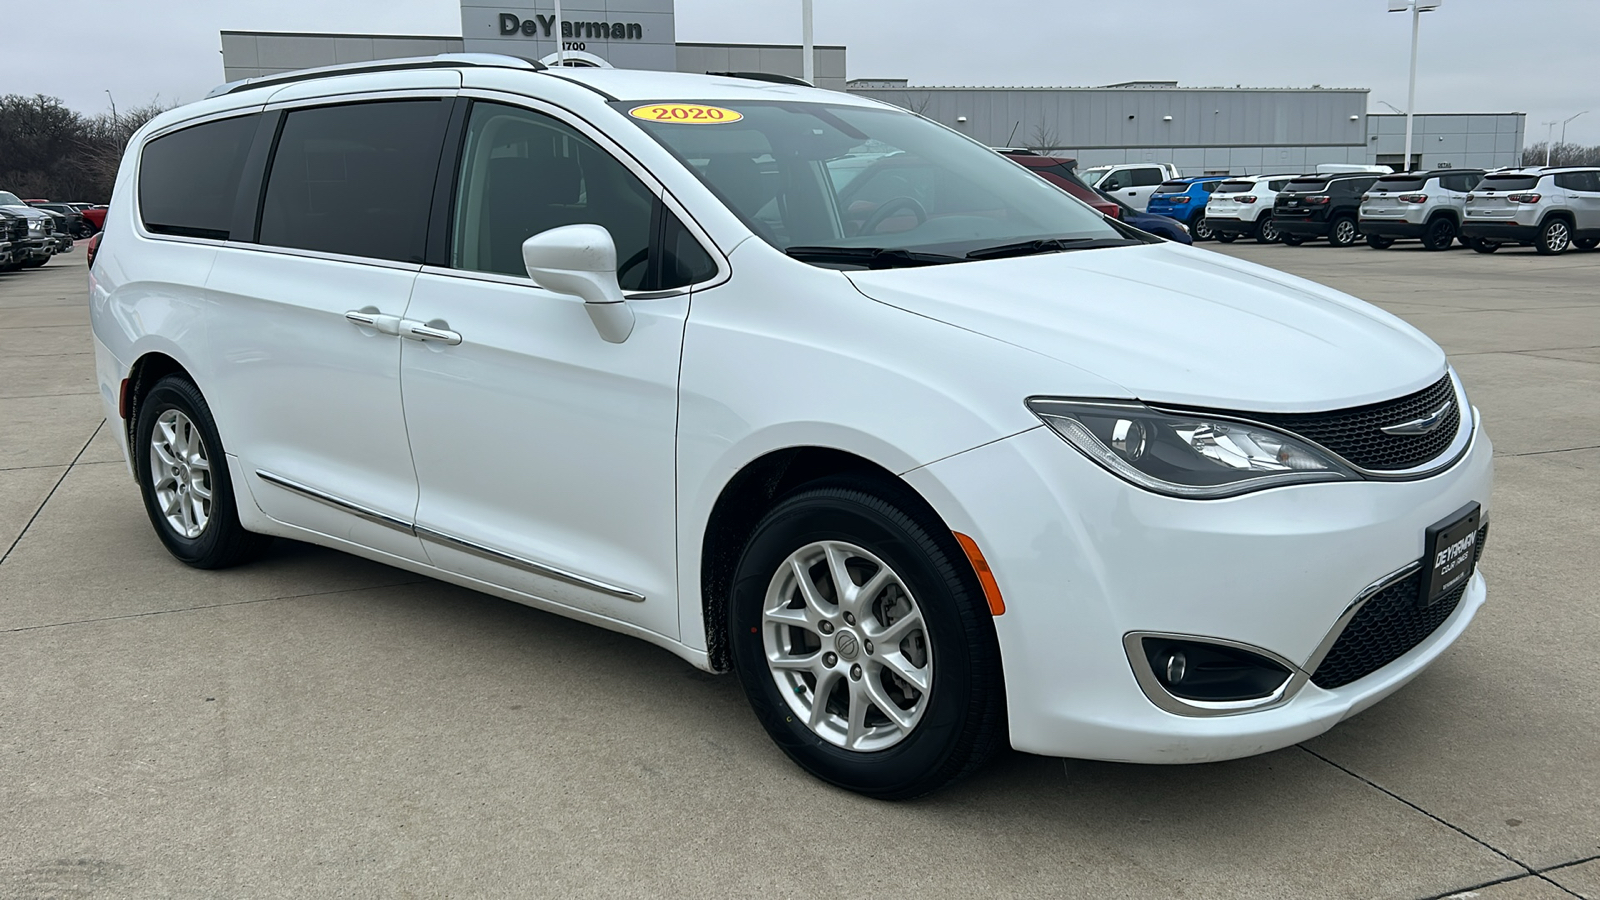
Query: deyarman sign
{"points": [[628, 34]]}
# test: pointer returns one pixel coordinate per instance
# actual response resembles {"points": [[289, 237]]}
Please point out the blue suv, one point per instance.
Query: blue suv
{"points": [[1185, 199]]}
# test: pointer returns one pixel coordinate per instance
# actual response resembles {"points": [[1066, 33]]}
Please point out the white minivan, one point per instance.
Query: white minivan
{"points": [[933, 456]]}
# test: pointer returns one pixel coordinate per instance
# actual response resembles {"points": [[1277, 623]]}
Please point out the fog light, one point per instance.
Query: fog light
{"points": [[1194, 670]]}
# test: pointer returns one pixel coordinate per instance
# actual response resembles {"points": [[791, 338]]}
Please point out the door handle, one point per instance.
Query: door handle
{"points": [[369, 317], [431, 331]]}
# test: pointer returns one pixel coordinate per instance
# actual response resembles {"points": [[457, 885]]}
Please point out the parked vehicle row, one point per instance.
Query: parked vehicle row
{"points": [[36, 239]]}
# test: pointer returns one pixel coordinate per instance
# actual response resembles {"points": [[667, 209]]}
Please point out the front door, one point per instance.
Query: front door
{"points": [[545, 455]]}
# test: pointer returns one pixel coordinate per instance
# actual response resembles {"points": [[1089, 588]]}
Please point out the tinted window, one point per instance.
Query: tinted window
{"points": [[1209, 186], [1306, 186], [1234, 187], [1173, 187], [523, 173], [1278, 185], [1116, 181], [1143, 177], [1578, 181], [355, 179], [683, 260], [188, 179], [1508, 183], [1401, 183]]}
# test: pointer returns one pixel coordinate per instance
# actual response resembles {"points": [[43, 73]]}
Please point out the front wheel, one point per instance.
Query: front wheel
{"points": [[1201, 229], [1554, 237], [1344, 232], [183, 476], [1482, 246], [1379, 243], [1267, 231], [863, 641]]}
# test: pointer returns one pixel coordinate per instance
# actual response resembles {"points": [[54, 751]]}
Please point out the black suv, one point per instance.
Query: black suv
{"points": [[74, 224], [1314, 206]]}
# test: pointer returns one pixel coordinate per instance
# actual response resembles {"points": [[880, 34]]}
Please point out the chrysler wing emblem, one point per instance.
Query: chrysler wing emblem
{"points": [[1423, 425]]}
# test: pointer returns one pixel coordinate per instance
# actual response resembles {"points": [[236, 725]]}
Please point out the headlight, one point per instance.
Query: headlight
{"points": [[35, 226], [1194, 456]]}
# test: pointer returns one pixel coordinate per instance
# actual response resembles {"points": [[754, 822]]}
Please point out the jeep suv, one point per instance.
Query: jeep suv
{"points": [[1185, 199], [1313, 206], [1424, 205], [1552, 209], [1242, 205], [1132, 183]]}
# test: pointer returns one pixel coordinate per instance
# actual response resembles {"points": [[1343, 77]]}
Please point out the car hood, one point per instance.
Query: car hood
{"points": [[28, 212], [1176, 325]]}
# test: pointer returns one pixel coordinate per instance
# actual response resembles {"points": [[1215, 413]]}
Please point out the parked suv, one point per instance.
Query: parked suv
{"points": [[75, 226], [1424, 205], [1313, 206], [937, 459], [1132, 183], [1242, 206], [1059, 171], [1185, 199], [41, 243], [1553, 209]]}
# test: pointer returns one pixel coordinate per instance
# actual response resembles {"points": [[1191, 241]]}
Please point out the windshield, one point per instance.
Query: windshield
{"points": [[9, 199], [819, 175]]}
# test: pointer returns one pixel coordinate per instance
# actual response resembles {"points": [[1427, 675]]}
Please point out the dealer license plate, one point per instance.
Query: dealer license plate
{"points": [[1451, 547]]}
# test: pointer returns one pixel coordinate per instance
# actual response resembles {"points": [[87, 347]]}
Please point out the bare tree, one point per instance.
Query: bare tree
{"points": [[1043, 137], [48, 150], [1561, 155]]}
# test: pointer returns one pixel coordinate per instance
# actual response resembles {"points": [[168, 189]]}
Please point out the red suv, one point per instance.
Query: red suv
{"points": [[1059, 172]]}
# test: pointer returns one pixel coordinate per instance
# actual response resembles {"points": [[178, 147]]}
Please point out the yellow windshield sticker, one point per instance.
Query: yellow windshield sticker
{"points": [[685, 114]]}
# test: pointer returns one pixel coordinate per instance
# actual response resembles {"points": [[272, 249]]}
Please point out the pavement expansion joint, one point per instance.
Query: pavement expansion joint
{"points": [[1544, 452], [1528, 871], [53, 488]]}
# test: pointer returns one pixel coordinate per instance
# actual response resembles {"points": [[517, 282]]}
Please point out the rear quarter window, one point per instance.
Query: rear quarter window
{"points": [[188, 179]]}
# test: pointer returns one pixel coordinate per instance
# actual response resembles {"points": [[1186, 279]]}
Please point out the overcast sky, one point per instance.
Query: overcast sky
{"points": [[1533, 56]]}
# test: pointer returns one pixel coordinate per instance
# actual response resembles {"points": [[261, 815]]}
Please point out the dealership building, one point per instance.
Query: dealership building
{"points": [[1202, 130]]}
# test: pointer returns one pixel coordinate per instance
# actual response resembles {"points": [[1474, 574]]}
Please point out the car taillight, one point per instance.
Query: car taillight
{"points": [[1413, 198], [1178, 199], [1365, 197], [1246, 198], [1523, 198], [1317, 200], [94, 247]]}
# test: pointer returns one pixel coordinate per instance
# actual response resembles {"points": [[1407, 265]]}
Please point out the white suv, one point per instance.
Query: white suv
{"points": [[1131, 183], [1242, 206], [1425, 205], [1552, 209], [934, 457]]}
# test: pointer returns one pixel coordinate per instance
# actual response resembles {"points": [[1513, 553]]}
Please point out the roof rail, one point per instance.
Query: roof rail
{"points": [[766, 76], [441, 61]]}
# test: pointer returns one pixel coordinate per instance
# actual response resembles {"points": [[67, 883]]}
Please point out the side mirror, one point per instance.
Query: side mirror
{"points": [[581, 260]]}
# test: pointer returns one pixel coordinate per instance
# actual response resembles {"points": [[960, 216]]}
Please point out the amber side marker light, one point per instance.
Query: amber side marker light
{"points": [[991, 590]]}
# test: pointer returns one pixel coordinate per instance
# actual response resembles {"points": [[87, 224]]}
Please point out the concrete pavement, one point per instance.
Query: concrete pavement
{"points": [[314, 725]]}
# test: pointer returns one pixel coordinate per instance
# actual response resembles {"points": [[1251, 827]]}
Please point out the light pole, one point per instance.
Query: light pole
{"points": [[113, 108], [1416, 8], [1564, 126], [1549, 138], [807, 63], [561, 45]]}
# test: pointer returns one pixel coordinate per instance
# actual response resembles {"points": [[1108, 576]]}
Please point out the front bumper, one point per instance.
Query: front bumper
{"points": [[1505, 232], [1084, 559]]}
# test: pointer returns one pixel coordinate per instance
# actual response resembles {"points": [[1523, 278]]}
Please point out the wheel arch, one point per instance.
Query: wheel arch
{"points": [[149, 368], [745, 498]]}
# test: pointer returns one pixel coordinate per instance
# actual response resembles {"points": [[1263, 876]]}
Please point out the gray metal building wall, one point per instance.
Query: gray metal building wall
{"points": [[1459, 140], [1242, 131]]}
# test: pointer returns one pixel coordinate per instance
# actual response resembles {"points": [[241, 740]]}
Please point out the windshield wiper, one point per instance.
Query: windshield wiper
{"points": [[1048, 245], [869, 257]]}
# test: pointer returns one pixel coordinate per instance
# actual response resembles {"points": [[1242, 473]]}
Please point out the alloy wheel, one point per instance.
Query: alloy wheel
{"points": [[1344, 232], [181, 473], [1269, 232], [847, 645], [1202, 229], [1557, 236]]}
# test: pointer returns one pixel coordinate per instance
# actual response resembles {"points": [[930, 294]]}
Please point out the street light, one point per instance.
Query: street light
{"points": [[1416, 8], [1564, 126], [1393, 107]]}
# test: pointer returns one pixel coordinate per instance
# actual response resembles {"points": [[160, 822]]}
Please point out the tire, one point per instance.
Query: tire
{"points": [[1267, 231], [1227, 237], [1343, 232], [35, 263], [948, 730], [1293, 240], [1379, 243], [1201, 229], [1440, 235], [1586, 243], [1555, 237], [201, 532]]}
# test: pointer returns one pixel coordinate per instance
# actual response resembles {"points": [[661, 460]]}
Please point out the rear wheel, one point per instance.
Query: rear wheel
{"points": [[1343, 232], [1201, 229], [1227, 237], [1267, 231], [1440, 235], [863, 641], [1379, 243], [1482, 246], [183, 476], [35, 263], [1554, 237]]}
